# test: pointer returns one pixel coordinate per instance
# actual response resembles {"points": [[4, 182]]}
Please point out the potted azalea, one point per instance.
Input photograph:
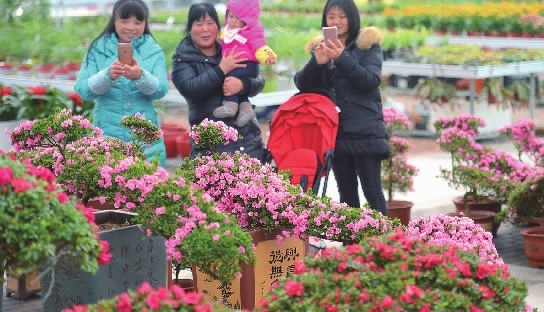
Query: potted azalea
{"points": [[196, 233], [397, 173], [457, 137], [78, 154], [523, 204], [397, 272], [42, 226]]}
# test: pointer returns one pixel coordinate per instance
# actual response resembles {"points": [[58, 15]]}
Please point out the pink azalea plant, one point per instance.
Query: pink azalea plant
{"points": [[74, 150], [525, 199], [197, 233], [261, 198], [41, 225], [397, 173], [397, 272], [457, 231]]}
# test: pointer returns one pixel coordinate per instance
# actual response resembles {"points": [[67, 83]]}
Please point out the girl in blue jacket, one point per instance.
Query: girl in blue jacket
{"points": [[125, 89]]}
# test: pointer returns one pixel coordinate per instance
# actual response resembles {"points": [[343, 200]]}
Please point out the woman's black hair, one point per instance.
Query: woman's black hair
{"points": [[125, 9], [352, 13], [197, 12]]}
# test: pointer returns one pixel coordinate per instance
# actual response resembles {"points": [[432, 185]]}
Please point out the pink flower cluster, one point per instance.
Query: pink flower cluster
{"points": [[228, 134], [522, 134], [462, 232], [468, 123]]}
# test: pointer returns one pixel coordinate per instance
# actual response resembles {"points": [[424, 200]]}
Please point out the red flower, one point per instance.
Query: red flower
{"points": [[37, 90], [105, 255], [76, 99], [20, 185], [6, 175], [124, 304], [293, 288], [300, 267], [6, 90], [387, 302]]}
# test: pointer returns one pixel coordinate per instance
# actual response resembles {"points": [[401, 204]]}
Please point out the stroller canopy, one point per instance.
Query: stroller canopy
{"points": [[302, 138]]}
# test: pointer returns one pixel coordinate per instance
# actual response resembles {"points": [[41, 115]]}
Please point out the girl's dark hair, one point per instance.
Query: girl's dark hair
{"points": [[198, 11], [352, 13], [125, 9]]}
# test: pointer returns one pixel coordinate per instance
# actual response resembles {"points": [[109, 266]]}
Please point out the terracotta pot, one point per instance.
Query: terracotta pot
{"points": [[533, 239], [491, 99], [400, 209], [488, 205]]}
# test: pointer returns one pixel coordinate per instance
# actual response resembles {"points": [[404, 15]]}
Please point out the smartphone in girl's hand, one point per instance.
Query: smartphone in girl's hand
{"points": [[330, 33], [125, 53]]}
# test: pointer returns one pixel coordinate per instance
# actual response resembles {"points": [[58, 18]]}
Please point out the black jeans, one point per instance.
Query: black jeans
{"points": [[347, 168]]}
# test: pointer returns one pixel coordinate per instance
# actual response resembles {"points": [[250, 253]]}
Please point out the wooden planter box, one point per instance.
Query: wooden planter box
{"points": [[136, 258], [24, 286], [274, 260]]}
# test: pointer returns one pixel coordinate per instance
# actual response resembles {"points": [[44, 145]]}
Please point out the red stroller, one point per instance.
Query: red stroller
{"points": [[302, 138]]}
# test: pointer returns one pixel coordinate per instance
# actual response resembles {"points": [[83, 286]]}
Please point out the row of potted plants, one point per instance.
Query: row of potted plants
{"points": [[493, 176], [493, 18], [18, 102]]}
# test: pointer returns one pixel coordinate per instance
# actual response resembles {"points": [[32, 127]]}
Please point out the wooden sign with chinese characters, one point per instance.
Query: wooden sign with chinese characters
{"points": [[275, 259], [229, 295]]}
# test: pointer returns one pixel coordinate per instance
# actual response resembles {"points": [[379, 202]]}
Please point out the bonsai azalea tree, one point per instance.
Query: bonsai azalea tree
{"points": [[197, 233], [397, 173], [41, 225], [74, 150]]}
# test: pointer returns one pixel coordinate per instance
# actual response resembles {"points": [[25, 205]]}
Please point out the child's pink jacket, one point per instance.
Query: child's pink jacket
{"points": [[249, 12]]}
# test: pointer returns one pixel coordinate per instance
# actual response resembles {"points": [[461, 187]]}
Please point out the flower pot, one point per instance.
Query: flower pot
{"points": [[274, 260], [400, 209], [136, 258], [533, 239], [488, 205], [23, 286]]}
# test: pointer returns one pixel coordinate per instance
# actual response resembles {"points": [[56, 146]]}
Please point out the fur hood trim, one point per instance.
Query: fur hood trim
{"points": [[367, 37]]}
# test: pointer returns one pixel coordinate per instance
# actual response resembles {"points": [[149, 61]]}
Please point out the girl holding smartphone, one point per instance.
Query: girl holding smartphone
{"points": [[125, 88]]}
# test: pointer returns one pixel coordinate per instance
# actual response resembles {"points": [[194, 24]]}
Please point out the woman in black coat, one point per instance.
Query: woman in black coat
{"points": [[350, 67], [199, 73]]}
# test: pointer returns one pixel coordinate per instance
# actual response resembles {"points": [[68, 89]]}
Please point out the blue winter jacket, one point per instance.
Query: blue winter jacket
{"points": [[124, 97]]}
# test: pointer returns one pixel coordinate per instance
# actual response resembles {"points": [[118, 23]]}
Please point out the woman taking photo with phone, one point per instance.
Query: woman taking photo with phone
{"points": [[125, 88], [199, 72], [350, 67]]}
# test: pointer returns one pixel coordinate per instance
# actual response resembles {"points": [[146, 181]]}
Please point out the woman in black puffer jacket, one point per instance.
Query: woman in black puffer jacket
{"points": [[350, 67], [199, 73]]}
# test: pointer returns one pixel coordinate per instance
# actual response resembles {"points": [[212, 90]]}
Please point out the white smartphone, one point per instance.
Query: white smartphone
{"points": [[330, 33]]}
